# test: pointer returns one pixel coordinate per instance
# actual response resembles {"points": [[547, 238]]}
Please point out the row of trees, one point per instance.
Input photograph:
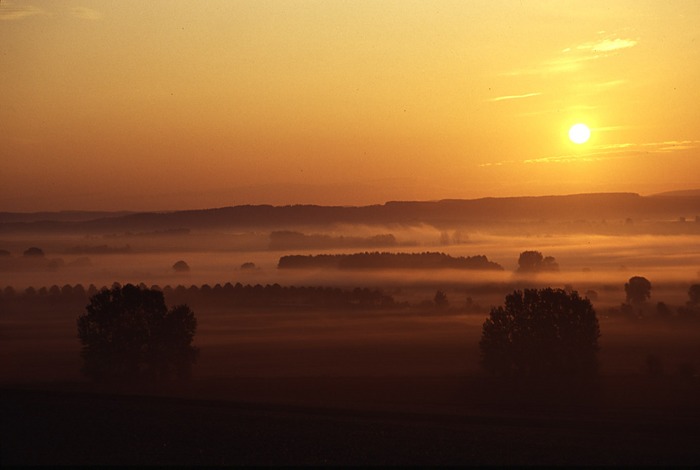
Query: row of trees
{"points": [[377, 260], [637, 292], [239, 295], [529, 262]]}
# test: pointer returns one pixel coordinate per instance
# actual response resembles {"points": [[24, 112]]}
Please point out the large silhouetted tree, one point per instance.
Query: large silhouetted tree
{"points": [[129, 334], [545, 332], [638, 290]]}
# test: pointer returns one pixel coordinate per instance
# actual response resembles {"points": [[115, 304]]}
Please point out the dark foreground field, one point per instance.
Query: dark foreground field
{"points": [[621, 420], [335, 387]]}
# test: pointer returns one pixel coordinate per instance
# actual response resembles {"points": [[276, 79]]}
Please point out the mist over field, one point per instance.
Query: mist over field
{"points": [[378, 316], [415, 339], [585, 260]]}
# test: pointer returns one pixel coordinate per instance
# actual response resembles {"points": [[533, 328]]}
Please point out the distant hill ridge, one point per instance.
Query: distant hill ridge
{"points": [[595, 206], [59, 216]]}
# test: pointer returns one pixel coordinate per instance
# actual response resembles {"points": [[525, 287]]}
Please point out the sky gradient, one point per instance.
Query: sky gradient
{"points": [[171, 104]]}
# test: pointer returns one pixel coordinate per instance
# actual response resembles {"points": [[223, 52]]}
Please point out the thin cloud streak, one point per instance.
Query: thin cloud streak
{"points": [[10, 12], [515, 97], [607, 45], [504, 162], [575, 57], [85, 13], [658, 146], [608, 152]]}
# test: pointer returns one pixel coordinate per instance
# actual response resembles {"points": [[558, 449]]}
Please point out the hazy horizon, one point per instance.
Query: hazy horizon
{"points": [[264, 202]]}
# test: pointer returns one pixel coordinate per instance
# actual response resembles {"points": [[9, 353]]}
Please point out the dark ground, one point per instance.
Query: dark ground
{"points": [[320, 421], [272, 388]]}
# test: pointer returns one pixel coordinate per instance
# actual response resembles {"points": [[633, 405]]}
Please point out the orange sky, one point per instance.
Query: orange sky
{"points": [[178, 104]]}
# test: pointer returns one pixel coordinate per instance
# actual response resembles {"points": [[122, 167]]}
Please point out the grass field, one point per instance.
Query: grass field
{"points": [[347, 388]]}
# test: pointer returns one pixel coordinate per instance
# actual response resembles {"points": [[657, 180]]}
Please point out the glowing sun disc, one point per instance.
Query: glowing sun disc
{"points": [[579, 133]]}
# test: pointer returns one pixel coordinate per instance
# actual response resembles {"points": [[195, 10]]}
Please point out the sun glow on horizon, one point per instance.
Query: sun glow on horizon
{"points": [[341, 103], [579, 133]]}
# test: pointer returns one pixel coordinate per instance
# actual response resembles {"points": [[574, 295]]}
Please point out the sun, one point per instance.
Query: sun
{"points": [[579, 133]]}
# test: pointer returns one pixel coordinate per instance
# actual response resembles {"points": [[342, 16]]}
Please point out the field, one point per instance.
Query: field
{"points": [[312, 384], [348, 388]]}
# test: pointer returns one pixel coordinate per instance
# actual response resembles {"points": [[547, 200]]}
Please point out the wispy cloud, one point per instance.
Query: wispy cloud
{"points": [[11, 12], [607, 45], [573, 58], [655, 147], [621, 150], [608, 152], [515, 97], [85, 13], [569, 158], [608, 84], [504, 162]]}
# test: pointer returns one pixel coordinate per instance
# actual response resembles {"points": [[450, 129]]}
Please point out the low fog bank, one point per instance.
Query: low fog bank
{"points": [[600, 263], [413, 337]]}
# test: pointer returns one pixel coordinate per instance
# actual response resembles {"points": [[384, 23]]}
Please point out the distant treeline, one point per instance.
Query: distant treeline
{"points": [[378, 260], [227, 295], [287, 239]]}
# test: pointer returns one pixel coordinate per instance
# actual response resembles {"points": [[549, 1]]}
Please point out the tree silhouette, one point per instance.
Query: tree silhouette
{"points": [[638, 290], [694, 295], [441, 300], [181, 266], [545, 332], [533, 261], [128, 334], [33, 252], [9, 292], [692, 306]]}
